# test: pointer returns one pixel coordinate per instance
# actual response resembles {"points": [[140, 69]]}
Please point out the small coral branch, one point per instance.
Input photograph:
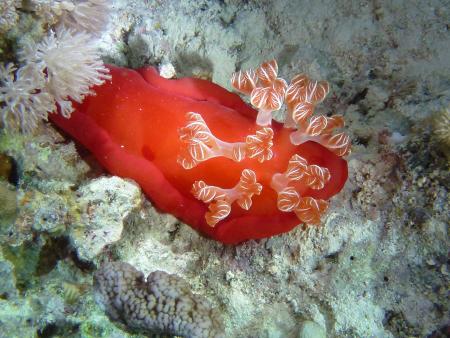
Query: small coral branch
{"points": [[266, 90], [199, 144], [221, 199], [307, 209]]}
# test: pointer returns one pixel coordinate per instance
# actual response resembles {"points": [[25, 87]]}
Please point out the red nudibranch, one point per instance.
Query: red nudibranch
{"points": [[203, 155]]}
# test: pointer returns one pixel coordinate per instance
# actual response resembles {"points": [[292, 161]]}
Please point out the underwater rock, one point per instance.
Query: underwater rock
{"points": [[105, 203], [17, 318], [50, 213], [8, 169], [311, 330], [7, 279], [161, 304], [8, 203], [37, 213]]}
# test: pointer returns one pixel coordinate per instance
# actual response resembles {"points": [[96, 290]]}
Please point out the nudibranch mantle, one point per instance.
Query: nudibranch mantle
{"points": [[197, 153]]}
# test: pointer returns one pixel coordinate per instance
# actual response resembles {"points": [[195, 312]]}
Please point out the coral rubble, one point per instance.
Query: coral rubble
{"points": [[378, 267]]}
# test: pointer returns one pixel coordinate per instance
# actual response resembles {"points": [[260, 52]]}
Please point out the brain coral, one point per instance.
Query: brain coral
{"points": [[162, 304]]}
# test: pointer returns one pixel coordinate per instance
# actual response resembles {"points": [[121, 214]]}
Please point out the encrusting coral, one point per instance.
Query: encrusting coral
{"points": [[161, 304]]}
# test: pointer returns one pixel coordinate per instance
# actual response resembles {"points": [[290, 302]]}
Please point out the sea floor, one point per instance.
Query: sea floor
{"points": [[378, 266]]}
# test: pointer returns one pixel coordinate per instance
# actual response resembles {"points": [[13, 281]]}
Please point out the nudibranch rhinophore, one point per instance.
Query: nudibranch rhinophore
{"points": [[200, 153]]}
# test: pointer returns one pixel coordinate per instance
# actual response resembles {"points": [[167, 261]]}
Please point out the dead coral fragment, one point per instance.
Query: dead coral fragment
{"points": [[162, 304]]}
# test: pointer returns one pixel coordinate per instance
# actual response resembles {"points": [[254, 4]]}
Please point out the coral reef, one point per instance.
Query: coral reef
{"points": [[162, 303], [377, 267]]}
